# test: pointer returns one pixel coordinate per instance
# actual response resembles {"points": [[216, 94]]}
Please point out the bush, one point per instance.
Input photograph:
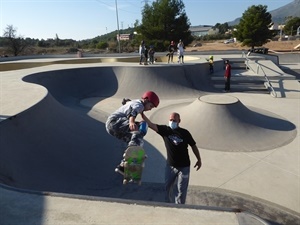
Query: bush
{"points": [[72, 50], [102, 45]]}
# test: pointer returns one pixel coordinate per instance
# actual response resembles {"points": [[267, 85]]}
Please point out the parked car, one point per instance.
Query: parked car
{"points": [[197, 45], [229, 41], [259, 50]]}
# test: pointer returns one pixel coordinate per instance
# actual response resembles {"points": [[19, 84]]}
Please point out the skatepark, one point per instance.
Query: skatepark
{"points": [[57, 160]]}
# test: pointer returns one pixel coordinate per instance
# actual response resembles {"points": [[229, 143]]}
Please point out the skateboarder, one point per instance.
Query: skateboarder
{"points": [[176, 140], [122, 124]]}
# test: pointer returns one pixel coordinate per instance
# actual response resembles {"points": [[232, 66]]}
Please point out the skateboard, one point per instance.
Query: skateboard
{"points": [[134, 157]]}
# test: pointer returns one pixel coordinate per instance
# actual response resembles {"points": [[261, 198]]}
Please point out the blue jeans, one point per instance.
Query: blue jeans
{"points": [[178, 178]]}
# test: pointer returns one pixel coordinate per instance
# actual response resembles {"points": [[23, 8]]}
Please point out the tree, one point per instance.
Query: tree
{"points": [[223, 28], [102, 45], [253, 29], [15, 44], [165, 20], [291, 26]]}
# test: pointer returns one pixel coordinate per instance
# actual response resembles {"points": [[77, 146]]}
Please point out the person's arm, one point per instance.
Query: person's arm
{"points": [[197, 154], [132, 125], [150, 124]]}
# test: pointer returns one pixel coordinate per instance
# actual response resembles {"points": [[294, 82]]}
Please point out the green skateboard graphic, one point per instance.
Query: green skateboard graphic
{"points": [[134, 164]]}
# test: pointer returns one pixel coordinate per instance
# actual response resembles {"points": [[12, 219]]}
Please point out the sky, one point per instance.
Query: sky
{"points": [[86, 19]]}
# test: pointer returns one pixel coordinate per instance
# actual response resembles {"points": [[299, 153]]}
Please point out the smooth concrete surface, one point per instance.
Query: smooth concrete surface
{"points": [[39, 209], [53, 139]]}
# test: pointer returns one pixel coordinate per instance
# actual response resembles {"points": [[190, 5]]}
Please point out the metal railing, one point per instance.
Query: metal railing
{"points": [[267, 84]]}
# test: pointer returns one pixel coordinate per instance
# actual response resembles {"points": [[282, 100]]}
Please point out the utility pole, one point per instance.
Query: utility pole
{"points": [[118, 39]]}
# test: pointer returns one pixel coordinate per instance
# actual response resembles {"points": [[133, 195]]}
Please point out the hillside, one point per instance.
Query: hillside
{"points": [[292, 9], [279, 15]]}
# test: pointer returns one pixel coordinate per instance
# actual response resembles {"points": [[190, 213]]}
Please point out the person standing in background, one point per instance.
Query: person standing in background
{"points": [[171, 50], [211, 64], [142, 52], [227, 75], [180, 50]]}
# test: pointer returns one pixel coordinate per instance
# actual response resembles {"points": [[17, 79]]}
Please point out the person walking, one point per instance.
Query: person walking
{"points": [[177, 171], [227, 75], [122, 124]]}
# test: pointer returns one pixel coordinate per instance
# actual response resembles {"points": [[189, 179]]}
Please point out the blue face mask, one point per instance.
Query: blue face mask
{"points": [[173, 125]]}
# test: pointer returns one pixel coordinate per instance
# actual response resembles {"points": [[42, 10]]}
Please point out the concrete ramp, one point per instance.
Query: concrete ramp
{"points": [[167, 82], [223, 123], [52, 148], [56, 146], [80, 83]]}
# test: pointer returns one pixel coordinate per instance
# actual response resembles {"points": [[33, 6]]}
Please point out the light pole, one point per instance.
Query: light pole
{"points": [[118, 39]]}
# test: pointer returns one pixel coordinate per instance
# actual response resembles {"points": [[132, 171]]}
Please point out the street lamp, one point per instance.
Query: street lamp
{"points": [[118, 27]]}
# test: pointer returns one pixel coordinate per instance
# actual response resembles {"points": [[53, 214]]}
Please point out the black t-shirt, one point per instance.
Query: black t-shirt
{"points": [[176, 142]]}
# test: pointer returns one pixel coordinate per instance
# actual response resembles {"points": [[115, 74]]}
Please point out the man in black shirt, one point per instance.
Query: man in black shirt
{"points": [[176, 140]]}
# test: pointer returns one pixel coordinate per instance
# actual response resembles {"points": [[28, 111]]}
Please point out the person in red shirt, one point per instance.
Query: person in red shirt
{"points": [[227, 75]]}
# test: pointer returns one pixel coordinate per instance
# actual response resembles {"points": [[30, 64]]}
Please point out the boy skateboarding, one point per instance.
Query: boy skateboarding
{"points": [[122, 125]]}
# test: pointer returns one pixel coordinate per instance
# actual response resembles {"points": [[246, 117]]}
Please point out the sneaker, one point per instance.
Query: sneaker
{"points": [[138, 142], [141, 142]]}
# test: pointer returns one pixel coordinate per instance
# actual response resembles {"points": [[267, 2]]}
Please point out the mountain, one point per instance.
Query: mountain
{"points": [[279, 15], [292, 9]]}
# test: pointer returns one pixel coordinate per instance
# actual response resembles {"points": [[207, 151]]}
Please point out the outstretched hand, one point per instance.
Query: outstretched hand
{"points": [[198, 165]]}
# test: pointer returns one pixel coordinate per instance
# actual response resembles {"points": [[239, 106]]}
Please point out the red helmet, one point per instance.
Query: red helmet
{"points": [[152, 97]]}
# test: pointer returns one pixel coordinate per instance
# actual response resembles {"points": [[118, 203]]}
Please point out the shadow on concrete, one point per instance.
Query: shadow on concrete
{"points": [[55, 146]]}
